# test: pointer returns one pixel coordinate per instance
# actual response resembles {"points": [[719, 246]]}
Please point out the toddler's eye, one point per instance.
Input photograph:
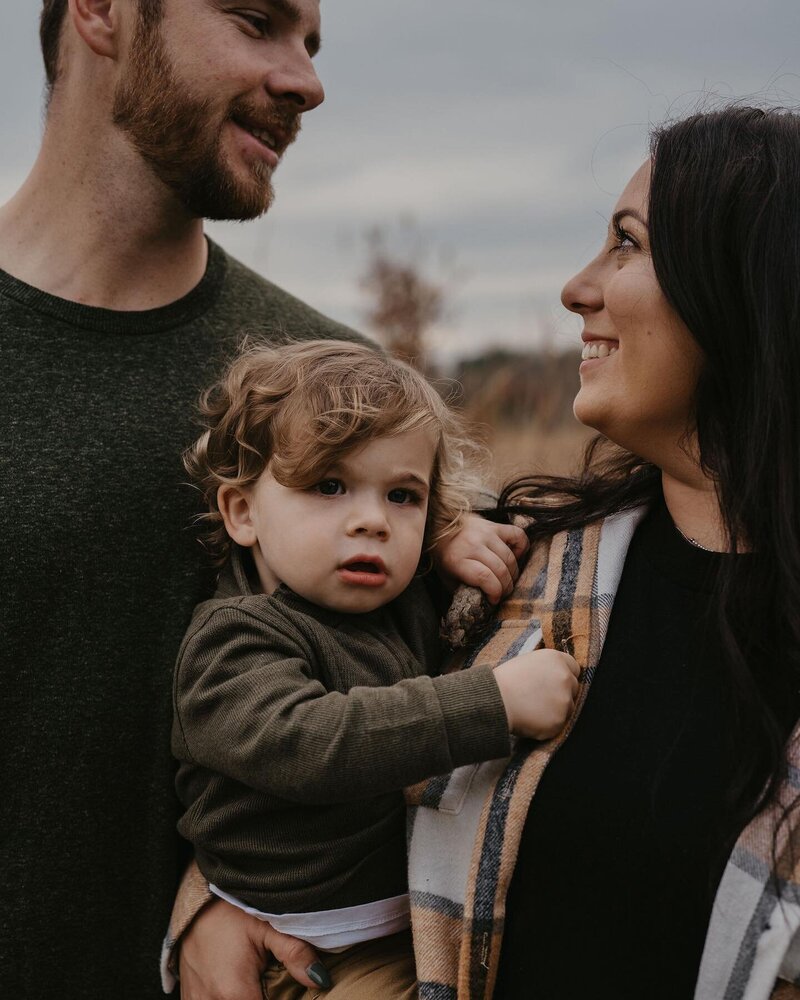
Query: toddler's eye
{"points": [[330, 487], [402, 496]]}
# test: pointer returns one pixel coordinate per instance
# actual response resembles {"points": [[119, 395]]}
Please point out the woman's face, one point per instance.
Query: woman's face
{"points": [[640, 363]]}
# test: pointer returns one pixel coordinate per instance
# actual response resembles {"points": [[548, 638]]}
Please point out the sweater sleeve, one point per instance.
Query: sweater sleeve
{"points": [[251, 710]]}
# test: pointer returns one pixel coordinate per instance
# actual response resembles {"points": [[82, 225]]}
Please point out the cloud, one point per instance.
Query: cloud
{"points": [[506, 129]]}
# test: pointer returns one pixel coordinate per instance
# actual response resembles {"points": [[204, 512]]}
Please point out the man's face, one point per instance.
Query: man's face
{"points": [[212, 95]]}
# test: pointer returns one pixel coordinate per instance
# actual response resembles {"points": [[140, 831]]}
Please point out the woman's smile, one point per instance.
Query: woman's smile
{"points": [[598, 348]]}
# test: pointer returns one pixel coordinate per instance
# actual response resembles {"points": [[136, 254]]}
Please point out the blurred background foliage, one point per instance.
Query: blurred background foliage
{"points": [[518, 403]]}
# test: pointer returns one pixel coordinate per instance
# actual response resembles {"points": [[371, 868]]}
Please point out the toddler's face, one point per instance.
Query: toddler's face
{"points": [[353, 541]]}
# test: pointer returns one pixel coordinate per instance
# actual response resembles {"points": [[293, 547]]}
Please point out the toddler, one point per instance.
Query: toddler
{"points": [[307, 691]]}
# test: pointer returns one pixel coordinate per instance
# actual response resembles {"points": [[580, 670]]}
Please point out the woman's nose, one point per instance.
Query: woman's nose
{"points": [[583, 292]]}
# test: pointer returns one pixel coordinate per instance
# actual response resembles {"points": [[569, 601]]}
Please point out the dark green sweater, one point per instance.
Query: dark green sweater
{"points": [[101, 573], [298, 727]]}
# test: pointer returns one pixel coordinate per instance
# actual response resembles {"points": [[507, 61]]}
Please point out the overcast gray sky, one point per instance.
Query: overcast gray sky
{"points": [[505, 128]]}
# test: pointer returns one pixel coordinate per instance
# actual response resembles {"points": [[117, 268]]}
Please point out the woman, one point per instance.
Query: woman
{"points": [[606, 869], [604, 879]]}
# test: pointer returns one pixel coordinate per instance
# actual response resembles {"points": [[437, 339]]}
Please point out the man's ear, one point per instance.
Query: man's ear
{"points": [[97, 23], [234, 505]]}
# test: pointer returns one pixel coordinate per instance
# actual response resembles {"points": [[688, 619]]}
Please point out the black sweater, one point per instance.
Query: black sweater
{"points": [[621, 852], [101, 573]]}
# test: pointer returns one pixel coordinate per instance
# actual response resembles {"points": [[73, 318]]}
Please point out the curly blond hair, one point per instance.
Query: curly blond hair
{"points": [[299, 407]]}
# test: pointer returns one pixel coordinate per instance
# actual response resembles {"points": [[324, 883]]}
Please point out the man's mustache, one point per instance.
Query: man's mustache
{"points": [[282, 121]]}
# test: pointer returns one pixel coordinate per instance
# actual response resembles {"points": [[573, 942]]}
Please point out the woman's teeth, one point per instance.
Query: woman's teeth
{"points": [[598, 349]]}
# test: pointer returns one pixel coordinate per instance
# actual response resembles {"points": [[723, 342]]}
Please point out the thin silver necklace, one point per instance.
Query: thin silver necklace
{"points": [[692, 541]]}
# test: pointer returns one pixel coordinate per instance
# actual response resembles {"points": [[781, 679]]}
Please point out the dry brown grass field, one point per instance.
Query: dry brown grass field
{"points": [[520, 450], [520, 405]]}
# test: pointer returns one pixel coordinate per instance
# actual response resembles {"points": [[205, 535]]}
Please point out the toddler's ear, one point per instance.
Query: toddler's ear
{"points": [[234, 505]]}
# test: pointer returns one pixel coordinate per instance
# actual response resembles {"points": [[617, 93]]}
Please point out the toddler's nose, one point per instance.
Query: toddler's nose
{"points": [[370, 521]]}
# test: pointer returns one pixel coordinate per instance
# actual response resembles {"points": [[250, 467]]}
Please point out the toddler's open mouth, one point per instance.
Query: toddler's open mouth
{"points": [[363, 571]]}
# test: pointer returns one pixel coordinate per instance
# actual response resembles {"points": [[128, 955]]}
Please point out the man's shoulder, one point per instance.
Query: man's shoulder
{"points": [[263, 308]]}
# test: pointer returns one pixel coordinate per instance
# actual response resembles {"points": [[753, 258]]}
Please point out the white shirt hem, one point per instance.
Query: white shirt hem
{"points": [[334, 930]]}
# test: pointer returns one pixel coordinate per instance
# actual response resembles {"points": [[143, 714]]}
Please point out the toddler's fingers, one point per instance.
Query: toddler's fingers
{"points": [[500, 567], [503, 551], [573, 665], [476, 573], [514, 537]]}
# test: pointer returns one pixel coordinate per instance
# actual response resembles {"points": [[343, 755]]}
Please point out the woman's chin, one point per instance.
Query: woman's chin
{"points": [[589, 410]]}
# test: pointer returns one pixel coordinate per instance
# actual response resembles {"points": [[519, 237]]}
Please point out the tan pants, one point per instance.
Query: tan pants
{"points": [[375, 970]]}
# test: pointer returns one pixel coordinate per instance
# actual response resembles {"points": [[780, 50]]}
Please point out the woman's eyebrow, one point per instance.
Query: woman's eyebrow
{"points": [[620, 215]]}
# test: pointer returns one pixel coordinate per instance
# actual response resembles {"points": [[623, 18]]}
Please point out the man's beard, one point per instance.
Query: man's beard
{"points": [[178, 135]]}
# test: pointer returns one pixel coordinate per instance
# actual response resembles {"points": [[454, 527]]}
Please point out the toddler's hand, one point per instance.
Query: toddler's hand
{"points": [[539, 691], [482, 554]]}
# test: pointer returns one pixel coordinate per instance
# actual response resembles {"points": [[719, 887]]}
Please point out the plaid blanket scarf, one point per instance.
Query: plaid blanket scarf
{"points": [[465, 828]]}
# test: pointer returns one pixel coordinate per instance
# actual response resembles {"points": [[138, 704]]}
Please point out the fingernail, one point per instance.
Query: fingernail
{"points": [[319, 974]]}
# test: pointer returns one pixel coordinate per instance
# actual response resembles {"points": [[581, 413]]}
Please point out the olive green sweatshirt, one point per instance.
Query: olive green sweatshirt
{"points": [[297, 728]]}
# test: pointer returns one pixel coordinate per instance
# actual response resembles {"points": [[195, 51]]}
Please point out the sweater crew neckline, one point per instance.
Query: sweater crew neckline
{"points": [[96, 319], [678, 559]]}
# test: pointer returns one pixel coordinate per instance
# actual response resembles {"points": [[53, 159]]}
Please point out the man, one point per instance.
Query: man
{"points": [[114, 312]]}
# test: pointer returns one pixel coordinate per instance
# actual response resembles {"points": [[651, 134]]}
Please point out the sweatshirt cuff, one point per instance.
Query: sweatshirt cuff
{"points": [[474, 715]]}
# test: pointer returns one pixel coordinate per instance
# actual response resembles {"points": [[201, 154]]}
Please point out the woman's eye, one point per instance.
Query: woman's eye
{"points": [[330, 487], [624, 241], [402, 496]]}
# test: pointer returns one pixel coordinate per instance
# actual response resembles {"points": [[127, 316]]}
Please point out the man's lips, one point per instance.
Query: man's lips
{"points": [[276, 139], [363, 571], [257, 144], [272, 128]]}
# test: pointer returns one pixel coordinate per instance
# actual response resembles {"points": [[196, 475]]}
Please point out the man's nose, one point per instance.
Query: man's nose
{"points": [[295, 80]]}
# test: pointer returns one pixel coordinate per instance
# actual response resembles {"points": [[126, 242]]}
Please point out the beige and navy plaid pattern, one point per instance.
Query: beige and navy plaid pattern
{"points": [[753, 936], [465, 828]]}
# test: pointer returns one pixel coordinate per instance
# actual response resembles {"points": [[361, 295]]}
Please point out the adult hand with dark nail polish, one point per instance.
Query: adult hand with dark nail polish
{"points": [[225, 951]]}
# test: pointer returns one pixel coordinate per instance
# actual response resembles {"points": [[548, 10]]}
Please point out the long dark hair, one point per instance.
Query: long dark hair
{"points": [[724, 220]]}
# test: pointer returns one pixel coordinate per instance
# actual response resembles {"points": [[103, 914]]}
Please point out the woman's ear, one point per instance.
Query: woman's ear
{"points": [[234, 505]]}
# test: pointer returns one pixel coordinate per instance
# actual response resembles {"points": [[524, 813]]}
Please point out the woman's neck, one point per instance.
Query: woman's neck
{"points": [[694, 507]]}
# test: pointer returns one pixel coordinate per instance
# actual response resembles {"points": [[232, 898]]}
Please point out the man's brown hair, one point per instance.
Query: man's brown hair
{"points": [[51, 22], [299, 407]]}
